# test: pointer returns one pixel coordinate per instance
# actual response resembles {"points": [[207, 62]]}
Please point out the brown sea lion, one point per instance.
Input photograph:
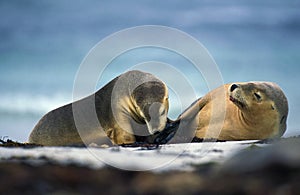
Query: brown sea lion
{"points": [[238, 111], [134, 103]]}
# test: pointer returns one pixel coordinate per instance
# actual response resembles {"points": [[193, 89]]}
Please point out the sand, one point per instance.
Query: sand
{"points": [[247, 167]]}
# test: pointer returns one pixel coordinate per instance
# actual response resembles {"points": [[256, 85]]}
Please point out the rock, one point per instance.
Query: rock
{"points": [[284, 154]]}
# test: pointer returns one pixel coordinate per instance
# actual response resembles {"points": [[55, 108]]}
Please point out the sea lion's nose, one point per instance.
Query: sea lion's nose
{"points": [[233, 87]]}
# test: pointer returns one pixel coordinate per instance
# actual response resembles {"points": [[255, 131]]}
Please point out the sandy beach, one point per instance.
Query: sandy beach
{"points": [[248, 167]]}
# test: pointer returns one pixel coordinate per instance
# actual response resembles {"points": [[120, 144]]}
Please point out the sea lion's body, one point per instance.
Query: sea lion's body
{"points": [[241, 111], [135, 103]]}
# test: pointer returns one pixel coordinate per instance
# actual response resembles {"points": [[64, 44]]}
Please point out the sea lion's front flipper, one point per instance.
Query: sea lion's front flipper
{"points": [[193, 109]]}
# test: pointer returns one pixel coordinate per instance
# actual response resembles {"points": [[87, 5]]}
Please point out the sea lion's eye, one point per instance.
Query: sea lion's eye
{"points": [[257, 96]]}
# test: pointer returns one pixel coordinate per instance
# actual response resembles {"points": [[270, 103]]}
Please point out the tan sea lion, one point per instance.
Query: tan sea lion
{"points": [[135, 103], [250, 110]]}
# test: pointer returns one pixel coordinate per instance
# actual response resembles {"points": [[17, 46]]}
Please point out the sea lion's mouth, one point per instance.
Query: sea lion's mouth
{"points": [[236, 101]]}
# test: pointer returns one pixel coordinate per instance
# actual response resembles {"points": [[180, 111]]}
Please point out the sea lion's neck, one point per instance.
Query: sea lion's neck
{"points": [[246, 118], [135, 112]]}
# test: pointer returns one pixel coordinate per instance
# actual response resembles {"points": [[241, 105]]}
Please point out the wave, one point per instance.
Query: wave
{"points": [[18, 104], [29, 104]]}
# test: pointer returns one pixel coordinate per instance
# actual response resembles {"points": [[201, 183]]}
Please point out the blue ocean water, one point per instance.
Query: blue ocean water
{"points": [[42, 44]]}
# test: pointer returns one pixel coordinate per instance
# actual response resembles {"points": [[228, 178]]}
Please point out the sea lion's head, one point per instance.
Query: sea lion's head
{"points": [[151, 99], [261, 102]]}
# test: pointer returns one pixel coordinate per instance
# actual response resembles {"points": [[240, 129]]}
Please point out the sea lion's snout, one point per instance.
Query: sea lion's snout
{"points": [[237, 96], [156, 118]]}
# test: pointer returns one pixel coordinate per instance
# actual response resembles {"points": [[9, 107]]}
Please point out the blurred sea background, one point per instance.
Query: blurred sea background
{"points": [[42, 44]]}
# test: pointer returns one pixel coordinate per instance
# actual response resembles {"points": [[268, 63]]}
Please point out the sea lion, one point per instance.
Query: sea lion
{"points": [[134, 103], [250, 111]]}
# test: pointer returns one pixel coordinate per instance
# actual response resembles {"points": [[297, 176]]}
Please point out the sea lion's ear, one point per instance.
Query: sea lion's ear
{"points": [[272, 106]]}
